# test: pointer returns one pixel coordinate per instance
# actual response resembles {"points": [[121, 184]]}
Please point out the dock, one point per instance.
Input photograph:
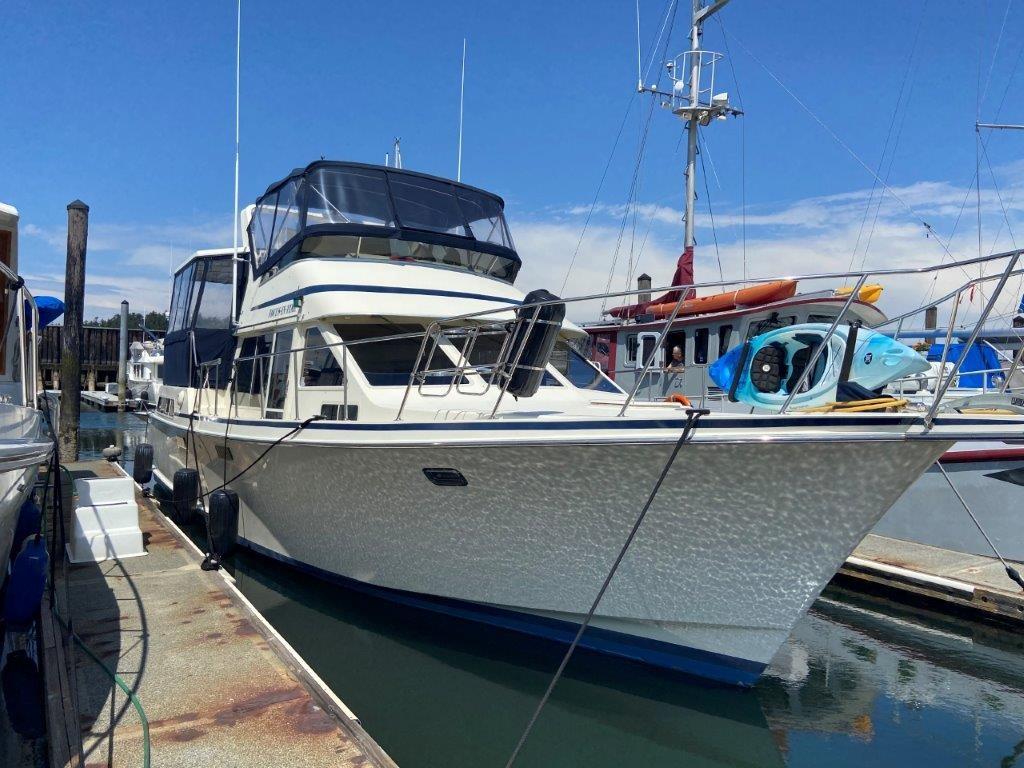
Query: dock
{"points": [[959, 582], [107, 401], [216, 682]]}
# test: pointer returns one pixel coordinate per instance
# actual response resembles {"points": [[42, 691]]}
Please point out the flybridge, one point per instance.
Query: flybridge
{"points": [[352, 210]]}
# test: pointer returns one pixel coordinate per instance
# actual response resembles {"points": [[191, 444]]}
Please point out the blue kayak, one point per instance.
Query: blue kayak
{"points": [[762, 371]]}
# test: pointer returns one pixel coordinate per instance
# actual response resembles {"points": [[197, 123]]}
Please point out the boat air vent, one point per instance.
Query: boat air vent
{"points": [[445, 476]]}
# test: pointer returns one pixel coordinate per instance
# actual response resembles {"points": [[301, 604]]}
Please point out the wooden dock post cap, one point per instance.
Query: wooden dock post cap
{"points": [[78, 205]]}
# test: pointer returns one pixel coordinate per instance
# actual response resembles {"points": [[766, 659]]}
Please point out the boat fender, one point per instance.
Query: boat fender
{"points": [[23, 695], [678, 398], [221, 527], [142, 466], [185, 494], [25, 584], [766, 369], [30, 519], [533, 342]]}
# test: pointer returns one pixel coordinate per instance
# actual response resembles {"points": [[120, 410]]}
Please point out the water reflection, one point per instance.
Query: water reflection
{"points": [[99, 429]]}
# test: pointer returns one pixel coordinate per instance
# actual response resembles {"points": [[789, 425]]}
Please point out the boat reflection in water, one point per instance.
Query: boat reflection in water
{"points": [[853, 685], [905, 686]]}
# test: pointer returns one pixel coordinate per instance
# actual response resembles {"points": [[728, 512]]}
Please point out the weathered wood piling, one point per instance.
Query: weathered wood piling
{"points": [[71, 342]]}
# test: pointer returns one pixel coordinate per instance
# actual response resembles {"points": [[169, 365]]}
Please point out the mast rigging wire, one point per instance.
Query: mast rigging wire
{"points": [[604, 174], [910, 209], [885, 145]]}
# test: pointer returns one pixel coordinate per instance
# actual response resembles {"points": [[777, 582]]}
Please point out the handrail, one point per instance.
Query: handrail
{"points": [[502, 318]]}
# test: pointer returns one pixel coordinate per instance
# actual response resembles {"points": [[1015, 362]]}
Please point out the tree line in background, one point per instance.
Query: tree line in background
{"points": [[153, 321]]}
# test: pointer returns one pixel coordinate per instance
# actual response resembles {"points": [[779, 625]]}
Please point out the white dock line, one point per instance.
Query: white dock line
{"points": [[965, 589]]}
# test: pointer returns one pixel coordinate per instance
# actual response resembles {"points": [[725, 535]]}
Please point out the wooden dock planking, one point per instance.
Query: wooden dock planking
{"points": [[213, 677], [965, 583]]}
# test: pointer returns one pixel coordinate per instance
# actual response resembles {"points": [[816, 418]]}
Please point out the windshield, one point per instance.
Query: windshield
{"points": [[392, 249]]}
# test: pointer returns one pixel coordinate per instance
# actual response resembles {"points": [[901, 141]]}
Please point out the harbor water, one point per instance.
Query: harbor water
{"points": [[861, 681]]}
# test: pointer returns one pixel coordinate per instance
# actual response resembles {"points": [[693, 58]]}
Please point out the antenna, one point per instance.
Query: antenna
{"points": [[398, 152], [639, 73], [692, 98], [234, 210], [462, 95]]}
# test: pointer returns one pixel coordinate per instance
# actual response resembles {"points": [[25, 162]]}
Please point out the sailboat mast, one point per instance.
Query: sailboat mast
{"points": [[692, 127]]}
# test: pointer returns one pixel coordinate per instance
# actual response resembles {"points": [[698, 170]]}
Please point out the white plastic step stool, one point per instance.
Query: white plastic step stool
{"points": [[106, 521]]}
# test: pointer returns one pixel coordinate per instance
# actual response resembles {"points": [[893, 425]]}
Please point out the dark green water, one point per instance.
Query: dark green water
{"points": [[860, 682]]}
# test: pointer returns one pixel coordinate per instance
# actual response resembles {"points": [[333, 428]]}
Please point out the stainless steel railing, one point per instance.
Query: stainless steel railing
{"points": [[501, 321]]}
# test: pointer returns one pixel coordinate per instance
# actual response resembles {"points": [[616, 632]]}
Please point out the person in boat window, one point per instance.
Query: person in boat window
{"points": [[675, 363]]}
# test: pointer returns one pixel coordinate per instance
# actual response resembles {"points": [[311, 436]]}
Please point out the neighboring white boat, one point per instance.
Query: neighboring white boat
{"points": [[145, 370], [409, 436], [24, 440]]}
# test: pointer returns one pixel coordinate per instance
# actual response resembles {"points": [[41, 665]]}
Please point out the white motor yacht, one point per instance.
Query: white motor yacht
{"points": [[24, 439], [395, 415]]}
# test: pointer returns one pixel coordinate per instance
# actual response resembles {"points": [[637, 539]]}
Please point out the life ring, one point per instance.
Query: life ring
{"points": [[677, 398]]}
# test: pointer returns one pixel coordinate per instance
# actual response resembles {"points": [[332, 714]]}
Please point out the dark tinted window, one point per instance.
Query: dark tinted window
{"points": [[724, 336], [427, 204], [700, 346], [577, 370], [388, 362], [320, 367]]}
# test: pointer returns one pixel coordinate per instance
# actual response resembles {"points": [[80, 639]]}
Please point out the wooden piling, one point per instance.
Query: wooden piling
{"points": [[71, 342], [122, 358]]}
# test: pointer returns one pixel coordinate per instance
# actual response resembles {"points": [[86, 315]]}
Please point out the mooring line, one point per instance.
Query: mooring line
{"points": [[1011, 572], [692, 417]]}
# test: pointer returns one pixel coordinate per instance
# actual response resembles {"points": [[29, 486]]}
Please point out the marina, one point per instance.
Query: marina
{"points": [[382, 469]]}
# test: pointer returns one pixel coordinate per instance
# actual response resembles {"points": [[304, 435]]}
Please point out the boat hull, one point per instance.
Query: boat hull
{"points": [[724, 566], [22, 448]]}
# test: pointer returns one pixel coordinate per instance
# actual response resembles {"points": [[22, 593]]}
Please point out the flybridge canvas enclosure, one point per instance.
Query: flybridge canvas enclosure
{"points": [[200, 344], [351, 210]]}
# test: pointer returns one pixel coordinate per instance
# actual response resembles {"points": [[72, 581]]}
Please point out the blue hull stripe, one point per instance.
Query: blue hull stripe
{"points": [[690, 661], [356, 288]]}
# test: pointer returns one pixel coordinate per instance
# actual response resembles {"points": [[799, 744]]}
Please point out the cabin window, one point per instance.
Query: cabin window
{"points": [[724, 337], [214, 311], [286, 221], [388, 362], [769, 324], [252, 362], [159, 371], [631, 349], [427, 204], [678, 339], [179, 303], [348, 196], [485, 218], [577, 369], [320, 367], [278, 380], [827, 319], [700, 346]]}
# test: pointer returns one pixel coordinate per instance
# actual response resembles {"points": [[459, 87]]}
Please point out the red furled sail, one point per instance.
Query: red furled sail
{"points": [[683, 276]]}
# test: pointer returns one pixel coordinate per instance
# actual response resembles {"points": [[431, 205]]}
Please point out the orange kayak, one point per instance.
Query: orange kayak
{"points": [[720, 302]]}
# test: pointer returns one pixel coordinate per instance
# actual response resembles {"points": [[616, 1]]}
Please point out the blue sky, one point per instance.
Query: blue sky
{"points": [[129, 106]]}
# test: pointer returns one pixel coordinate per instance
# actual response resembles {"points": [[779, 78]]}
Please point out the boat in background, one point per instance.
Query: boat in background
{"points": [[145, 370], [25, 441]]}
